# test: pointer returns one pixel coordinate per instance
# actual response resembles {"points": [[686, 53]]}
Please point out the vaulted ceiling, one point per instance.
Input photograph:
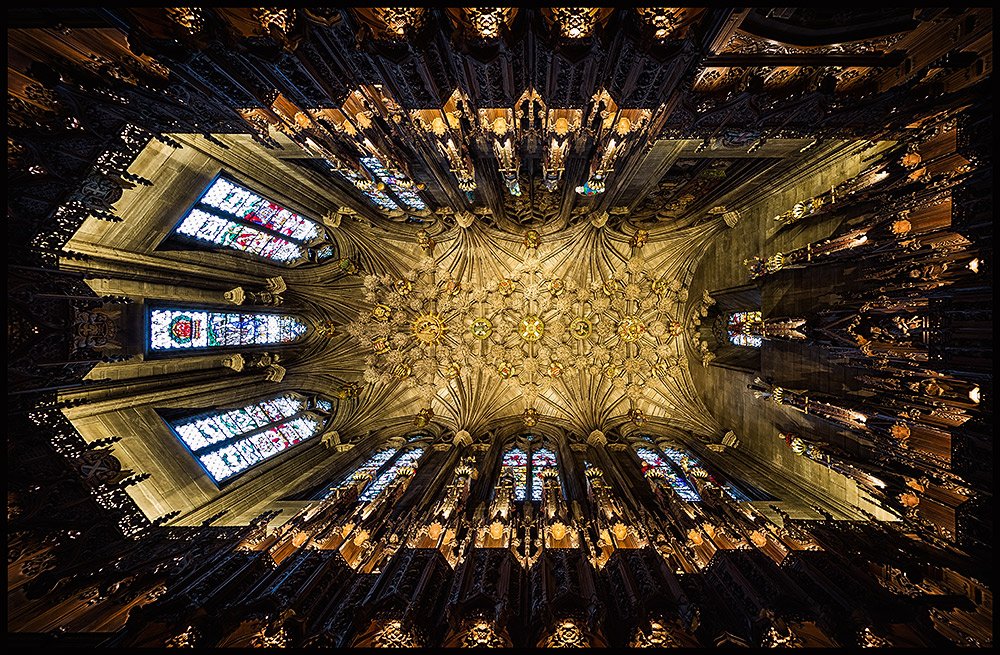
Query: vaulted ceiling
{"points": [[575, 166]]}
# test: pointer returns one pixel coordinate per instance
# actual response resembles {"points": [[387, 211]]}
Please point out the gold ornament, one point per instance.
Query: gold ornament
{"points": [[532, 328], [428, 328], [580, 328], [630, 328], [482, 328]]}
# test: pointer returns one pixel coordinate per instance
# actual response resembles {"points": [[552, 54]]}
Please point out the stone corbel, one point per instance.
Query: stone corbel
{"points": [[235, 296], [599, 220], [275, 284], [234, 362], [462, 439]]}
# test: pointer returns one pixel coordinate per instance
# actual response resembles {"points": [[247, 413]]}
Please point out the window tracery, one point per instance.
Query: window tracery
{"points": [[230, 442], [527, 472], [745, 329], [231, 216], [188, 329], [407, 460]]}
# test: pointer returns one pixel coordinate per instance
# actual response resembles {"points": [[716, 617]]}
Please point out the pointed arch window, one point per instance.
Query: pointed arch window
{"points": [[228, 215], [526, 471], [408, 458], [745, 329], [652, 459], [230, 442], [374, 180], [678, 467], [172, 329]]}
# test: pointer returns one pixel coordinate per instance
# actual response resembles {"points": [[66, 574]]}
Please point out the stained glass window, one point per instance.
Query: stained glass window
{"points": [[376, 461], [324, 405], [402, 187], [227, 443], [408, 458], [177, 329], [516, 461], [231, 216], [528, 479], [368, 188], [744, 328], [541, 459], [652, 459]]}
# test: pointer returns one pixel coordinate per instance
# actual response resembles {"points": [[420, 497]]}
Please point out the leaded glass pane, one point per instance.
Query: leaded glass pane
{"points": [[541, 459], [516, 461], [650, 457], [230, 234], [409, 458], [172, 329], [400, 185], [743, 329], [236, 454], [233, 199]]}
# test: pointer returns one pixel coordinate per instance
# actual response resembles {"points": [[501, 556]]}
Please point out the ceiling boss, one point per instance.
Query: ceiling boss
{"points": [[528, 326]]}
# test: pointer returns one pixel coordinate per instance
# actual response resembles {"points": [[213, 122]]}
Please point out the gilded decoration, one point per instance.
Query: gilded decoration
{"points": [[537, 330], [580, 328], [482, 634], [567, 634], [631, 328], [482, 328], [531, 328], [428, 328]]}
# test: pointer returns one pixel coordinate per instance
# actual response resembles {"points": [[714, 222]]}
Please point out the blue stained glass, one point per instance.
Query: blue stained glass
{"points": [[735, 493], [242, 203], [376, 461], [516, 461], [324, 405], [229, 234], [652, 459], [369, 189], [742, 328], [541, 459], [236, 454], [409, 458], [237, 228], [172, 329], [400, 185]]}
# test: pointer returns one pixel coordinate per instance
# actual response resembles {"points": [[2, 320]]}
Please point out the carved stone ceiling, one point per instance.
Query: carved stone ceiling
{"points": [[583, 326]]}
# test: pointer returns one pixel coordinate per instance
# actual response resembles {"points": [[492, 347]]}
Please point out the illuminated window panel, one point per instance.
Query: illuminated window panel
{"points": [[400, 185], [741, 328], [682, 488], [230, 442], [230, 234], [735, 493], [178, 329], [516, 461], [369, 189], [324, 405], [235, 200], [376, 461], [653, 459], [541, 459], [409, 458]]}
